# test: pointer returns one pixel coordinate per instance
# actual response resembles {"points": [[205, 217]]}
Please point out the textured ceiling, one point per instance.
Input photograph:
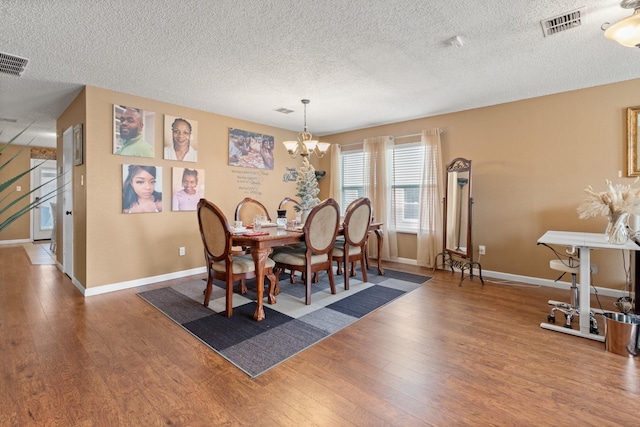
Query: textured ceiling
{"points": [[362, 63]]}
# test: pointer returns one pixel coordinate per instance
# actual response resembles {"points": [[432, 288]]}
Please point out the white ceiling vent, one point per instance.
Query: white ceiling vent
{"points": [[284, 110], [14, 65], [564, 22]]}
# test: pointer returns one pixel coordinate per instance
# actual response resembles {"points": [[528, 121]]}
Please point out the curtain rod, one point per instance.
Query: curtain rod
{"points": [[440, 132]]}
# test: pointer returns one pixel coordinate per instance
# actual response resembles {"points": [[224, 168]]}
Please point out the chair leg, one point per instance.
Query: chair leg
{"points": [[207, 290], [307, 283], [332, 282], [229, 297], [345, 261], [273, 283], [364, 270]]}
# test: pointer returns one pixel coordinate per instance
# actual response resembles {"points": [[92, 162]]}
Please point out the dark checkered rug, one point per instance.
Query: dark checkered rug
{"points": [[290, 325]]}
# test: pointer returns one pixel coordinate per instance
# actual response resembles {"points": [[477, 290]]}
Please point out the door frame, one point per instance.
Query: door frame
{"points": [[35, 182], [67, 202]]}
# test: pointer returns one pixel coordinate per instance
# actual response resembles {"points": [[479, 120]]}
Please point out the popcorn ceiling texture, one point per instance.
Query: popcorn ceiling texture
{"points": [[362, 63]]}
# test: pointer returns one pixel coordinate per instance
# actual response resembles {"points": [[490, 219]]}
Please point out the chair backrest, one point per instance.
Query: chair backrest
{"points": [[321, 226], [289, 205], [248, 208], [357, 221], [214, 230]]}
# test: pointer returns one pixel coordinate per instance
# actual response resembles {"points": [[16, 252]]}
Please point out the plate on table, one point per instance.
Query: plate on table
{"points": [[239, 230]]}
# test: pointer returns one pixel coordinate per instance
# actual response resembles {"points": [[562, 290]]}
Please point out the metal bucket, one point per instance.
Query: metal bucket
{"points": [[621, 333]]}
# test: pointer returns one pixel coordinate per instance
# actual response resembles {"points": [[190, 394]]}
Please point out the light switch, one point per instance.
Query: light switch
{"points": [[18, 188]]}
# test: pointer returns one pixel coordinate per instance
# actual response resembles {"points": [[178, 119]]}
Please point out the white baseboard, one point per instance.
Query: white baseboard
{"points": [[616, 293], [135, 283], [507, 277], [15, 242]]}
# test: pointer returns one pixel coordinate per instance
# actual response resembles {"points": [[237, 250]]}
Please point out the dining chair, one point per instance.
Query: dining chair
{"points": [[320, 231], [222, 264], [289, 205], [247, 210], [353, 247]]}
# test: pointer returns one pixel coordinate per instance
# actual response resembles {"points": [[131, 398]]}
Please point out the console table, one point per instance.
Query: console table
{"points": [[584, 242]]}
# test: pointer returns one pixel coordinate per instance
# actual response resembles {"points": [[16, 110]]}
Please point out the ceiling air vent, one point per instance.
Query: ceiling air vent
{"points": [[14, 65], [284, 110], [564, 22]]}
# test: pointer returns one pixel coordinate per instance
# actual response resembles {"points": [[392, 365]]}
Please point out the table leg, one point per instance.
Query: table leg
{"points": [[585, 290], [379, 236], [259, 258]]}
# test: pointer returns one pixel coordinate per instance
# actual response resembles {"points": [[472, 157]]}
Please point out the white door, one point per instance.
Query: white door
{"points": [[67, 203], [42, 216]]}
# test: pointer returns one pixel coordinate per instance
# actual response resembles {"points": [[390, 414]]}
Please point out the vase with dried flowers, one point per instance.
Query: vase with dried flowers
{"points": [[616, 203]]}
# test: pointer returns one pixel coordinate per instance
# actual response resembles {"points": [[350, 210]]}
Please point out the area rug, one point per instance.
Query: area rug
{"points": [[290, 326]]}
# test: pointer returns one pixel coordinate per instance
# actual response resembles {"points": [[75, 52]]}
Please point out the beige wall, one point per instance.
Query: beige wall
{"points": [[532, 160], [121, 247], [19, 229]]}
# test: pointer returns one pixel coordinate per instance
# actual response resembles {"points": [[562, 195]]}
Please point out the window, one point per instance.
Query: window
{"points": [[352, 178], [405, 169], [406, 173]]}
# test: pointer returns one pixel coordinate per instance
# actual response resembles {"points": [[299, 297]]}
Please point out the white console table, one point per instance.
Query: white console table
{"points": [[584, 242]]}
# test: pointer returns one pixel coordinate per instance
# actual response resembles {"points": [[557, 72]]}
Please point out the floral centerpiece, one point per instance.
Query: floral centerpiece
{"points": [[616, 203]]}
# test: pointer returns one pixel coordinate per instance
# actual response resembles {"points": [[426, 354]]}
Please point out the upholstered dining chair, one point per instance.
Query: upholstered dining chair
{"points": [[320, 231], [289, 205], [222, 264], [247, 210], [353, 247]]}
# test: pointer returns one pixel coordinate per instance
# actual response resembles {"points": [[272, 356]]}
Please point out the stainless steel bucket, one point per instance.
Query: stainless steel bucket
{"points": [[621, 333]]}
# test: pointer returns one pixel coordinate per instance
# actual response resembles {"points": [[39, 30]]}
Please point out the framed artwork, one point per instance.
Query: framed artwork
{"points": [[250, 149], [133, 133], [141, 189], [633, 157], [77, 145], [180, 139], [187, 188]]}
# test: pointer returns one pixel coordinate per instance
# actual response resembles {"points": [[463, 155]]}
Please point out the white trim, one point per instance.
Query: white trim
{"points": [[87, 292], [616, 293], [15, 242]]}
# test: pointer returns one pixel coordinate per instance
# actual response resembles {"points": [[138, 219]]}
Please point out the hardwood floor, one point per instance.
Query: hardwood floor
{"points": [[442, 355]]}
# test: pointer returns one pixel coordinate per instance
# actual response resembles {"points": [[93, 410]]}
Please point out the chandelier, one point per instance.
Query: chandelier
{"points": [[305, 145], [627, 31]]}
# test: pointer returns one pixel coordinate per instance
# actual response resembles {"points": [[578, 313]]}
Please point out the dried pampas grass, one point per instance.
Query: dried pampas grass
{"points": [[617, 199]]}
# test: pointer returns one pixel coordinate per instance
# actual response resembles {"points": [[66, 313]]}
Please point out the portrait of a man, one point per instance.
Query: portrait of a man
{"points": [[133, 131]]}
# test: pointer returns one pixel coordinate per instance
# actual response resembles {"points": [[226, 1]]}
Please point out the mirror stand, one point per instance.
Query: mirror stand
{"points": [[458, 212]]}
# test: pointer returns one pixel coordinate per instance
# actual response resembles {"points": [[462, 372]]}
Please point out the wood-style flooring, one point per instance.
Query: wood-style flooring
{"points": [[442, 355]]}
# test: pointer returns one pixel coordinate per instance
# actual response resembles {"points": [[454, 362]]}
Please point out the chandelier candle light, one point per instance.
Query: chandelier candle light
{"points": [[616, 203], [306, 182]]}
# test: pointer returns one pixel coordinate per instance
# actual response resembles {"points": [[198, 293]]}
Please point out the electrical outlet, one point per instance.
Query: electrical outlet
{"points": [[482, 250], [182, 251]]}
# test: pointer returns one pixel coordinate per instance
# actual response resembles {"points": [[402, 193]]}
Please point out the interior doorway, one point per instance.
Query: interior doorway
{"points": [[42, 217]]}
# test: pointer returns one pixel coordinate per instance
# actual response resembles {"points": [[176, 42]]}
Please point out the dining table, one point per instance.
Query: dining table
{"points": [[261, 243]]}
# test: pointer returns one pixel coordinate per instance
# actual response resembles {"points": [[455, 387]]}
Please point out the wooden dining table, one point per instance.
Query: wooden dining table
{"points": [[261, 243]]}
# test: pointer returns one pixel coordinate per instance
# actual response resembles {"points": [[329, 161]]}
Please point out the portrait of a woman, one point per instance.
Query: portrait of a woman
{"points": [[139, 190]]}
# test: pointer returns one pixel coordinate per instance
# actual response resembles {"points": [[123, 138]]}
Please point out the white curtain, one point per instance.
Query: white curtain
{"points": [[431, 195], [378, 189], [335, 172]]}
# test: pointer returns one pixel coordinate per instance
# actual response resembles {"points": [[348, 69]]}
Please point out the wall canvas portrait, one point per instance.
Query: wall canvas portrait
{"points": [[250, 150], [180, 139], [187, 188], [141, 189], [133, 133]]}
